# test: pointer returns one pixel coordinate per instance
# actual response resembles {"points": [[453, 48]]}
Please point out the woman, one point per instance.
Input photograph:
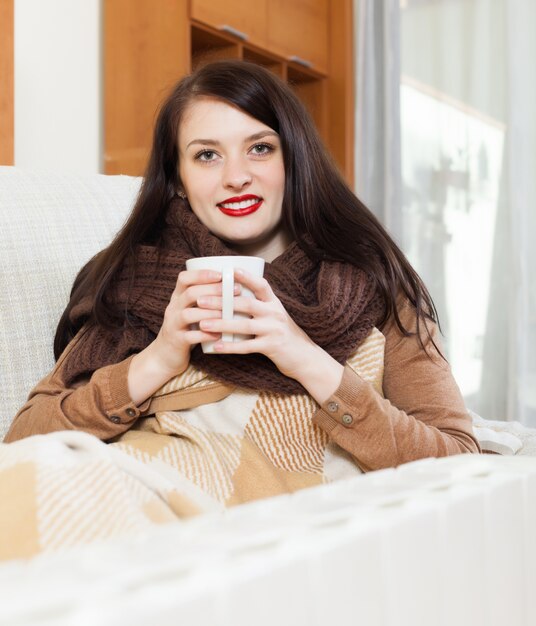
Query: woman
{"points": [[238, 167]]}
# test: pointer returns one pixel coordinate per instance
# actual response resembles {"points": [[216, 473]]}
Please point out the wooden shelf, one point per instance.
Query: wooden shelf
{"points": [[270, 62], [208, 45], [312, 92]]}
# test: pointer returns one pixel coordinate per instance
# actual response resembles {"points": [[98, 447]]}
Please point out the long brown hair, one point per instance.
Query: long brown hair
{"points": [[319, 209]]}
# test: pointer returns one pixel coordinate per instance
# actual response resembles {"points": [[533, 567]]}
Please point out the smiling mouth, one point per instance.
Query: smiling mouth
{"points": [[239, 207]]}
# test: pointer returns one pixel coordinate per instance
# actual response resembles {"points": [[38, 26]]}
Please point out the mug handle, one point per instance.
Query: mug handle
{"points": [[228, 298]]}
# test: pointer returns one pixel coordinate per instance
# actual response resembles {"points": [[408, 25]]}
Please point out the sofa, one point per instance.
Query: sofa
{"points": [[438, 541]]}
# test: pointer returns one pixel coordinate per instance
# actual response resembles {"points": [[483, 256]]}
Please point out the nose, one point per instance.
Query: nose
{"points": [[236, 174]]}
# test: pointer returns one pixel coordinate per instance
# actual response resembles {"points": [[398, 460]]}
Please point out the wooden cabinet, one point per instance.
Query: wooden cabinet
{"points": [[299, 29], [149, 45], [247, 20], [146, 49], [293, 29]]}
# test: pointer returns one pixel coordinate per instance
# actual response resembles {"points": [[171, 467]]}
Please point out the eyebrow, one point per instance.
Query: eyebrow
{"points": [[213, 142]]}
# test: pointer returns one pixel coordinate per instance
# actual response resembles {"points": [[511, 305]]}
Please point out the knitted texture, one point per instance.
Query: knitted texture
{"points": [[334, 303]]}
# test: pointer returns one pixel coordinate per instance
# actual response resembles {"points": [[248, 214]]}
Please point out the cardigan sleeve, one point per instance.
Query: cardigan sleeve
{"points": [[100, 405], [422, 413]]}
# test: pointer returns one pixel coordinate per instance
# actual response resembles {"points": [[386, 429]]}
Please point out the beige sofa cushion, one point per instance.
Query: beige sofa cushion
{"points": [[50, 225]]}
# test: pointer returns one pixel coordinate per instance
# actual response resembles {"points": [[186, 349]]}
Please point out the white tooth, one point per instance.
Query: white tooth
{"points": [[240, 205]]}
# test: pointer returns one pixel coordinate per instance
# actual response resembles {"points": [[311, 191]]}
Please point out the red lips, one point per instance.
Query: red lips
{"points": [[244, 211]]}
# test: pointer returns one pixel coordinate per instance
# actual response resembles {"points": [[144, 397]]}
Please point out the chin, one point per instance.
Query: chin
{"points": [[237, 241]]}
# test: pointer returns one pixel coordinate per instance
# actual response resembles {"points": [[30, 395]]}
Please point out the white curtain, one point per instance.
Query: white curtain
{"points": [[446, 158], [378, 172]]}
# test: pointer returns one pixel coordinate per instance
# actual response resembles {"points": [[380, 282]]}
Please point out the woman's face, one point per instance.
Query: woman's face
{"points": [[231, 167]]}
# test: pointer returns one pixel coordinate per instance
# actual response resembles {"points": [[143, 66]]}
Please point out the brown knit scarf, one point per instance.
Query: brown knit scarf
{"points": [[335, 303]]}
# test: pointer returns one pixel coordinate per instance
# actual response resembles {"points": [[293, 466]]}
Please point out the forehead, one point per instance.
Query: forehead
{"points": [[211, 118]]}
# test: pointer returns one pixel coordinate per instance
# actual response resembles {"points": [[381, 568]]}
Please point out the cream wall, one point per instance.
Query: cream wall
{"points": [[58, 116]]}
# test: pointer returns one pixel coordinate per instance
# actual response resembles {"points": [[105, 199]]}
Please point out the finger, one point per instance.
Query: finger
{"points": [[194, 315], [251, 306], [186, 278], [258, 285], [216, 302], [190, 296], [234, 326], [193, 337], [247, 346]]}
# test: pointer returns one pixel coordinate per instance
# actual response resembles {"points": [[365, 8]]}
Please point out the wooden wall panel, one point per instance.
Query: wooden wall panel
{"points": [[147, 44], [340, 87], [6, 83]]}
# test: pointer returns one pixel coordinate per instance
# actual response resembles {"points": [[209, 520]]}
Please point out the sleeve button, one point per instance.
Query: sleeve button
{"points": [[332, 407], [131, 412], [115, 419], [347, 419]]}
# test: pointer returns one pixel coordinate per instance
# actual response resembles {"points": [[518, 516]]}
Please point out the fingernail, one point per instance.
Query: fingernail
{"points": [[237, 289], [239, 272], [214, 275], [218, 346]]}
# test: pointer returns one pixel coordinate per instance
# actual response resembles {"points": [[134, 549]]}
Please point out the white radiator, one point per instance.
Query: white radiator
{"points": [[438, 542]]}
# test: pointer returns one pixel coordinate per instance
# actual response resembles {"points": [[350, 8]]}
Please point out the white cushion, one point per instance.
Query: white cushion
{"points": [[50, 225]]}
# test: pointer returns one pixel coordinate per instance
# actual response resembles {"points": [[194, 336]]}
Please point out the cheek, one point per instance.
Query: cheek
{"points": [[279, 178], [184, 178], [281, 191], [274, 177], [196, 184]]}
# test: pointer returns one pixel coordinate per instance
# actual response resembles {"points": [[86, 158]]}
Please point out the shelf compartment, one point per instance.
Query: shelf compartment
{"points": [[208, 46]]}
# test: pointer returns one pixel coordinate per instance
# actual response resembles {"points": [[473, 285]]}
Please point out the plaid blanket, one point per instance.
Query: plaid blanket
{"points": [[67, 488]]}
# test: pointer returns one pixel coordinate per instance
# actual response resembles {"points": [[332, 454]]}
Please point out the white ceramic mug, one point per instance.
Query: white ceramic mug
{"points": [[226, 265]]}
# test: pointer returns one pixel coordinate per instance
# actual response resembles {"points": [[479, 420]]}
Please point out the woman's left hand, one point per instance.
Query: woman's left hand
{"points": [[275, 334]]}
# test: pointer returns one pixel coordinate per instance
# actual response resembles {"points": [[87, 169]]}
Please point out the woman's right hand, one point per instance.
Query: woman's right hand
{"points": [[169, 354], [176, 337]]}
